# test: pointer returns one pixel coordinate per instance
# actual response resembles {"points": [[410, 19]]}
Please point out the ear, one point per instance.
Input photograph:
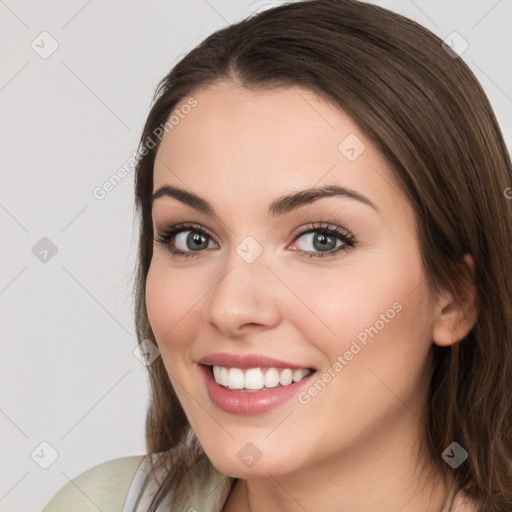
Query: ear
{"points": [[454, 320]]}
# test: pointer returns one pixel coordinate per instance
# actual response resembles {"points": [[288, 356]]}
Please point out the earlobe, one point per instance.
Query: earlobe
{"points": [[456, 319]]}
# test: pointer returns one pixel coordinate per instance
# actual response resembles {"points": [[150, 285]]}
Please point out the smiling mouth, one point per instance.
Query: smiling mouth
{"points": [[256, 379]]}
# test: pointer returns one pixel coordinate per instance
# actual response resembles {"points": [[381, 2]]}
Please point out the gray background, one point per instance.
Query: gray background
{"points": [[69, 376]]}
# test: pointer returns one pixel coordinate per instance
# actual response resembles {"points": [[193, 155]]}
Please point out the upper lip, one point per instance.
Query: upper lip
{"points": [[244, 361]]}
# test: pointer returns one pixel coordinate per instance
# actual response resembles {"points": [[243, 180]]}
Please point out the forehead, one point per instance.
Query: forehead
{"points": [[255, 144], [232, 123]]}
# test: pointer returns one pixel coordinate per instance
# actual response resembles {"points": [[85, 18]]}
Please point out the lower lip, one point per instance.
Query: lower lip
{"points": [[249, 403]]}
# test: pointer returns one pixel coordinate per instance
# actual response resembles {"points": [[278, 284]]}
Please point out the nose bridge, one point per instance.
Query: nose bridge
{"points": [[244, 293]]}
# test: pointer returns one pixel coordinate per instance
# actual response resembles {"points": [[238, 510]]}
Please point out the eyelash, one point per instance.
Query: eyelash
{"points": [[348, 239]]}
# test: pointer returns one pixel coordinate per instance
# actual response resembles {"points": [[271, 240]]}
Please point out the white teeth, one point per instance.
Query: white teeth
{"points": [[286, 377], [224, 376], [221, 375], [236, 378], [271, 378], [256, 378], [216, 373], [298, 375]]}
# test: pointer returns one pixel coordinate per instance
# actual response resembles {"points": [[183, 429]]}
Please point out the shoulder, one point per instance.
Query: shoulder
{"points": [[463, 503], [102, 487]]}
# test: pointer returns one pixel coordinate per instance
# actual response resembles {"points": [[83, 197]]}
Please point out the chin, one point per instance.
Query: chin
{"points": [[245, 459]]}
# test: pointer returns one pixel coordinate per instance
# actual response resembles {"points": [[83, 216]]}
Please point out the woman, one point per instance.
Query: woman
{"points": [[325, 265]]}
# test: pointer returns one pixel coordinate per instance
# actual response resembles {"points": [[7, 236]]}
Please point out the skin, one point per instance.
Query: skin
{"points": [[354, 445]]}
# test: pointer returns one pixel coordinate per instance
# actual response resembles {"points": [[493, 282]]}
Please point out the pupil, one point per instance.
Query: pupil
{"points": [[196, 240], [324, 240]]}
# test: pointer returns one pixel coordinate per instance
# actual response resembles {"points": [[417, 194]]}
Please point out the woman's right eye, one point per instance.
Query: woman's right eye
{"points": [[191, 237]]}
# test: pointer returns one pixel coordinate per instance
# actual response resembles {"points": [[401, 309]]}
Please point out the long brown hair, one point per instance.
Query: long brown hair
{"points": [[429, 116]]}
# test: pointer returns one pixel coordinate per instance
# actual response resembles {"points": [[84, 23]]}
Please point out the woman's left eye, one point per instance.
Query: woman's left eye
{"points": [[320, 237]]}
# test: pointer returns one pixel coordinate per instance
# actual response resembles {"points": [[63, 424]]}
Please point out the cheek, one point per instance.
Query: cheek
{"points": [[377, 323], [339, 306], [379, 302], [170, 302]]}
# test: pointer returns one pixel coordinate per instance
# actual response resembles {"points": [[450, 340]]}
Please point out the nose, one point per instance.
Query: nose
{"points": [[245, 297]]}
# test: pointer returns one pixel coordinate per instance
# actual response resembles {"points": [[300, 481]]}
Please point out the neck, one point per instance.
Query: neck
{"points": [[382, 473]]}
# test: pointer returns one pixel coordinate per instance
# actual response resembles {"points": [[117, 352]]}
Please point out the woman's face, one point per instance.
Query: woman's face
{"points": [[352, 305]]}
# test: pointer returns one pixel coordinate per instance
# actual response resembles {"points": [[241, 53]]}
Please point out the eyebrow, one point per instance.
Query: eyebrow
{"points": [[279, 206]]}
